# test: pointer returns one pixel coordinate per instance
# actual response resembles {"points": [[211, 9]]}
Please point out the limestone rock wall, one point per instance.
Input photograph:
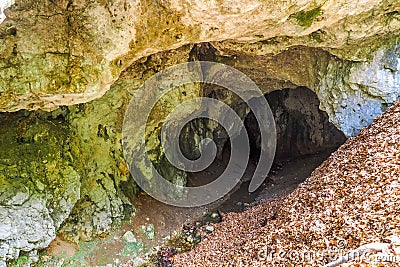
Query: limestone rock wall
{"points": [[107, 186], [39, 185], [82, 60], [353, 93], [63, 171], [63, 52]]}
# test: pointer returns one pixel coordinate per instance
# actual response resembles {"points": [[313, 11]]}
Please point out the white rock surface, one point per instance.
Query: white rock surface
{"points": [[355, 94], [3, 5]]}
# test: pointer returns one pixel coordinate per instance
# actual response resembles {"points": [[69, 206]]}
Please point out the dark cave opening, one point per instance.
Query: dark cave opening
{"points": [[305, 138], [302, 128]]}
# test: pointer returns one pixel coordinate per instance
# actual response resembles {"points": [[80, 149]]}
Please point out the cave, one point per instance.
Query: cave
{"points": [[305, 138], [70, 69]]}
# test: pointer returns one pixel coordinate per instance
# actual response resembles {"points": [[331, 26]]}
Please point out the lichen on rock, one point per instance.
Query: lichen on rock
{"points": [[39, 186]]}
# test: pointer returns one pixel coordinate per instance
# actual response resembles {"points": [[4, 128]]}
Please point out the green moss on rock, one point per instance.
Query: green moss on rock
{"points": [[306, 18], [38, 184]]}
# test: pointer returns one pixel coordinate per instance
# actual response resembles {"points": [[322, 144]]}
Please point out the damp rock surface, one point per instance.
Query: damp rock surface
{"points": [[302, 128], [69, 52], [39, 187], [69, 165]]}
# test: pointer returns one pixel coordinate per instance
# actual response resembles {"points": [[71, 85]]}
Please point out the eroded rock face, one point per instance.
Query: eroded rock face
{"points": [[38, 184], [64, 170], [352, 93], [66, 52], [107, 187]]}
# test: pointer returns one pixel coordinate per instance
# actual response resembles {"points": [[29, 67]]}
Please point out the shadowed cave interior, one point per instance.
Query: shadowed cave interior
{"points": [[305, 138]]}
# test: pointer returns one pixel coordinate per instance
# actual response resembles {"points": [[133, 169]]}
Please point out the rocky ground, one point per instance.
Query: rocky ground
{"points": [[351, 200]]}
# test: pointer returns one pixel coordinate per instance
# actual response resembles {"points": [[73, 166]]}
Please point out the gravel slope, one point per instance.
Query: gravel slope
{"points": [[351, 200]]}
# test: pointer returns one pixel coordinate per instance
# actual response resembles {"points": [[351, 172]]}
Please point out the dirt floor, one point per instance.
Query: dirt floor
{"points": [[154, 222]]}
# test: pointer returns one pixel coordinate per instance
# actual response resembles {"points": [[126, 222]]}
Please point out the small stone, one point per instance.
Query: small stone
{"points": [[40, 185], [209, 229], [190, 239], [197, 238], [129, 237], [206, 213], [138, 262], [148, 231], [33, 255], [214, 215]]}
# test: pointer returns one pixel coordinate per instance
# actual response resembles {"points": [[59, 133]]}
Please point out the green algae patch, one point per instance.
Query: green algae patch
{"points": [[306, 18], [38, 183], [35, 161]]}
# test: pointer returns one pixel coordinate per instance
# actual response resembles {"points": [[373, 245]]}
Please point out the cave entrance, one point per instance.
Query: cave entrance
{"points": [[305, 138]]}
